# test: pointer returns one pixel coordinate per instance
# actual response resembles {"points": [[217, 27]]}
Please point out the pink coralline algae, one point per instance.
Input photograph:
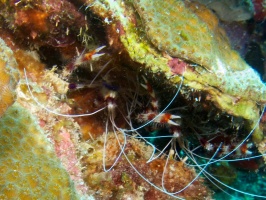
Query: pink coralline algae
{"points": [[177, 66]]}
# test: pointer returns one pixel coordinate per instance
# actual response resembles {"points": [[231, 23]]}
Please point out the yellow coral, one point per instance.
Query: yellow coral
{"points": [[28, 165], [9, 77], [193, 34]]}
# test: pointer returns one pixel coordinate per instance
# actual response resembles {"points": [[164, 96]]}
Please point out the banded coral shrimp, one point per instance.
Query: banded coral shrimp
{"points": [[237, 156], [226, 148], [112, 103]]}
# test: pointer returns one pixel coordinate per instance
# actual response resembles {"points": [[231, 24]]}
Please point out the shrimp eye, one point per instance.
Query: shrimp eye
{"points": [[72, 86]]}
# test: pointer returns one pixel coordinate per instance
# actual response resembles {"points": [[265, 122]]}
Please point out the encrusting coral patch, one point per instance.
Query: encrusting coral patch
{"points": [[28, 165]]}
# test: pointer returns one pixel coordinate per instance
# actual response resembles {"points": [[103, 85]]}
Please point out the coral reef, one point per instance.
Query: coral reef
{"points": [[231, 84], [47, 88], [9, 77], [92, 118], [55, 139]]}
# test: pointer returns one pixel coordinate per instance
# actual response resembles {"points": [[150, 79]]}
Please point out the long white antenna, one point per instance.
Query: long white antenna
{"points": [[52, 111]]}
